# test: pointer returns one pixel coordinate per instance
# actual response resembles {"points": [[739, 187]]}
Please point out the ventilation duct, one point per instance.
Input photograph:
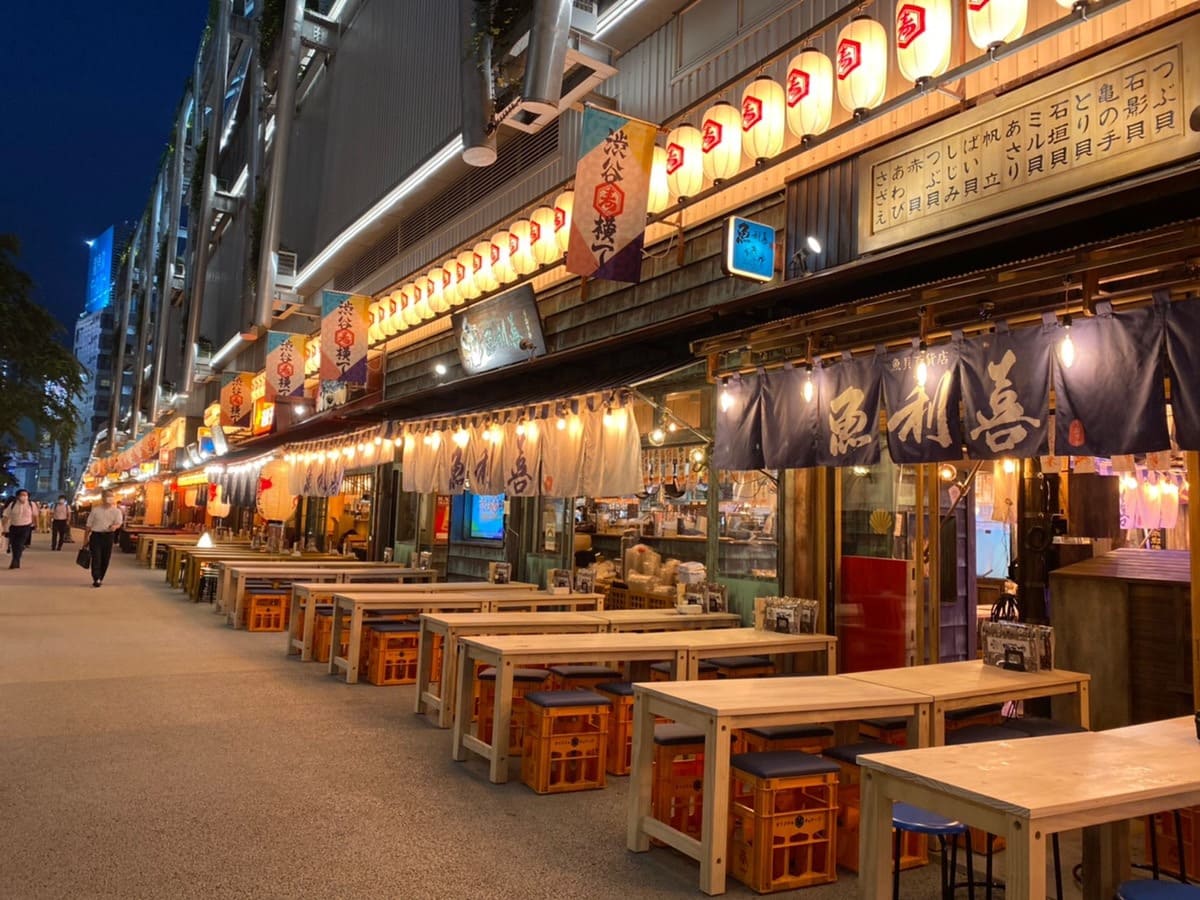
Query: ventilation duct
{"points": [[548, 32], [478, 104]]}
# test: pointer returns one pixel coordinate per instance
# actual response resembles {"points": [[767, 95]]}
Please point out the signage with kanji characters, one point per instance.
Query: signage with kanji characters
{"points": [[749, 249], [500, 331], [1118, 113], [345, 320]]}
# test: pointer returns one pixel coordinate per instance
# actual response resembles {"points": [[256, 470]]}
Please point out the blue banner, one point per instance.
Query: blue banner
{"points": [[789, 419], [848, 413], [1006, 392], [1183, 354], [737, 442]]}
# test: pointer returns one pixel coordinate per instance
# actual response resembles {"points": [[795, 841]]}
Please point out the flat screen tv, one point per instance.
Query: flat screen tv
{"points": [[485, 517]]}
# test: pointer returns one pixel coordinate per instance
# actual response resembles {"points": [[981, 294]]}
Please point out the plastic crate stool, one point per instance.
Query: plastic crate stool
{"points": [[581, 677], [661, 671], [620, 726], [743, 666], [783, 820], [991, 714], [524, 681], [886, 731], [566, 741], [677, 791], [913, 820], [323, 633], [769, 738], [266, 611], [392, 654]]}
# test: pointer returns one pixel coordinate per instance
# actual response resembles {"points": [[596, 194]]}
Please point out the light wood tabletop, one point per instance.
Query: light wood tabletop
{"points": [[719, 707], [961, 685], [666, 620], [715, 642], [1027, 789], [235, 575]]}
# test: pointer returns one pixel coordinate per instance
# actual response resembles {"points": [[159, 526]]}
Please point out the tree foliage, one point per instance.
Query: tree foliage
{"points": [[40, 379]]}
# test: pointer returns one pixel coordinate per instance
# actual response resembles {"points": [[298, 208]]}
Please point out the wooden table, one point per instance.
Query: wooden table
{"points": [[307, 595], [235, 575], [709, 643], [1025, 790], [452, 626], [961, 685], [573, 602], [719, 707], [186, 575], [665, 620], [509, 652], [146, 539]]}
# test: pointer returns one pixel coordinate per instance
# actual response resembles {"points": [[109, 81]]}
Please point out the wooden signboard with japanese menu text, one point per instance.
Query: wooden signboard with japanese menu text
{"points": [[1125, 111]]}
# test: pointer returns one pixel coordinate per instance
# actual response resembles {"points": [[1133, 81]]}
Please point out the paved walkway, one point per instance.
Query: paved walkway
{"points": [[146, 750]]}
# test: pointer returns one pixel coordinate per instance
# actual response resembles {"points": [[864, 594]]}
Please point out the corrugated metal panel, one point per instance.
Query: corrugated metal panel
{"points": [[822, 205], [221, 316]]}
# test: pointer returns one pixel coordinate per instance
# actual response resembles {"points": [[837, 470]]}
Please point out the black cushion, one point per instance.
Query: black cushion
{"points": [[705, 666], [394, 627], [672, 733], [530, 675], [781, 763], [781, 732], [740, 662], [957, 715], [566, 699], [1035, 726], [978, 734], [578, 671], [1157, 890], [849, 753], [887, 724], [387, 612], [617, 688]]}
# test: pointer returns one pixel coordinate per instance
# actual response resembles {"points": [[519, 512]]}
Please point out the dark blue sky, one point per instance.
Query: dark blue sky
{"points": [[87, 95]]}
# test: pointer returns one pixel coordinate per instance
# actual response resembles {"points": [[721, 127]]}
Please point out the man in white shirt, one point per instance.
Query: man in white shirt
{"points": [[60, 522], [19, 519], [102, 525]]}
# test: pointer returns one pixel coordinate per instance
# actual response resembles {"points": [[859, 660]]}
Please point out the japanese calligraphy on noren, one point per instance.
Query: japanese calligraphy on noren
{"points": [[1118, 113]]}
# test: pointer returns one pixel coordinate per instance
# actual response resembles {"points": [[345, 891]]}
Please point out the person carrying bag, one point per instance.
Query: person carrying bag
{"points": [[102, 525], [60, 522]]}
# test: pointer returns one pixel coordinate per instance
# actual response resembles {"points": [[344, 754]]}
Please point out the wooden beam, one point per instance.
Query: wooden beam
{"points": [[1193, 476]]}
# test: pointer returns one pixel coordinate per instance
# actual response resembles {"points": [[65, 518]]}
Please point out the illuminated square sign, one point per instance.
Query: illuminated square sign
{"points": [[749, 249]]}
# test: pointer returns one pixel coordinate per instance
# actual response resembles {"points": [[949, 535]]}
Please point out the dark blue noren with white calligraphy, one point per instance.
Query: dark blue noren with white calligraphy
{"points": [[737, 441], [1006, 391]]}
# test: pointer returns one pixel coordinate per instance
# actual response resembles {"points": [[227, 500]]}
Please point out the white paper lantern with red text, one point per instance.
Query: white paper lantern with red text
{"points": [[468, 265], [862, 65], [685, 168], [452, 279], [564, 209], [658, 194], [398, 322], [502, 266], [545, 244], [520, 247], [375, 332], [387, 309], [485, 278], [923, 38], [809, 93], [721, 141], [994, 22], [411, 295], [763, 116]]}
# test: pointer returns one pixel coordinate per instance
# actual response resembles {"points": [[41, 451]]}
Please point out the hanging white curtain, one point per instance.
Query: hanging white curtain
{"points": [[620, 454], [521, 455], [562, 457]]}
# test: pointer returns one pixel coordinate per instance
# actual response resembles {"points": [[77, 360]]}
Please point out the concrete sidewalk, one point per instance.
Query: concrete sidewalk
{"points": [[147, 750]]}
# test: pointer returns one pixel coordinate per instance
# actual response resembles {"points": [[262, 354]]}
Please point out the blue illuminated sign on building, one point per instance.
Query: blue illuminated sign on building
{"points": [[99, 282], [749, 249]]}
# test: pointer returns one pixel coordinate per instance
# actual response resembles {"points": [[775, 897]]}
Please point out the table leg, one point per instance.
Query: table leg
{"points": [[462, 706], [335, 637], [1025, 863], [451, 651], [501, 720], [354, 645], [831, 658], [424, 664], [714, 830], [1105, 858], [875, 838], [238, 600], [310, 625], [937, 730], [641, 776]]}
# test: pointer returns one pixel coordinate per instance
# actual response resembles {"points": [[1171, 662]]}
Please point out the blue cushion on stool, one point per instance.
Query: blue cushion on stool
{"points": [[1157, 890], [782, 732], [324, 609], [887, 724], [665, 667], [367, 613], [955, 715], [782, 764], [617, 688], [1036, 726], [978, 734], [585, 672], [672, 733], [921, 821], [394, 627], [849, 753], [566, 699], [533, 675], [740, 662]]}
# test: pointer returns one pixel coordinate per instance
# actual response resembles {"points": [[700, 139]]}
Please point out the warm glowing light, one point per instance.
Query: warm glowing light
{"points": [[657, 436], [726, 400], [922, 371], [947, 473], [862, 64], [721, 141], [809, 390], [408, 304], [1066, 350], [520, 247], [607, 419], [564, 209], [991, 23], [1009, 466], [423, 287], [561, 423], [698, 456], [685, 168], [450, 278], [860, 471], [923, 38], [468, 284], [378, 440], [502, 267], [205, 542], [672, 427], [809, 93], [461, 437], [763, 115], [542, 237], [440, 369], [485, 278], [658, 194]]}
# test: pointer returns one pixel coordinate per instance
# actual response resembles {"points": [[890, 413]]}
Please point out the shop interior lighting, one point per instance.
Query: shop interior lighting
{"points": [[809, 248], [922, 366], [1066, 350], [947, 472], [809, 390], [726, 400], [657, 436], [440, 369], [1009, 466]]}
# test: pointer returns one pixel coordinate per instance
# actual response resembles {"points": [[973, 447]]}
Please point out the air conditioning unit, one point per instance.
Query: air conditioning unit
{"points": [[178, 275], [285, 270]]}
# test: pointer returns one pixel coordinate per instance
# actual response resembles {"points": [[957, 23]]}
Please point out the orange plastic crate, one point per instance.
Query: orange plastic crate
{"points": [[391, 653], [485, 706], [1171, 845], [677, 785], [565, 748], [323, 633], [620, 733], [266, 612], [914, 848]]}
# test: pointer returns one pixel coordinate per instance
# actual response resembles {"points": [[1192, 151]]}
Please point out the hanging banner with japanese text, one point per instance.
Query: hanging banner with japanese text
{"points": [[237, 409], [612, 182], [922, 405], [848, 413], [345, 320], [285, 365], [737, 439], [1121, 112], [1006, 392], [1183, 353], [1110, 400], [789, 419]]}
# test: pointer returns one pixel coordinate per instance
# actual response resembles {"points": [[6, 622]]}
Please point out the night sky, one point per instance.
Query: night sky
{"points": [[88, 92]]}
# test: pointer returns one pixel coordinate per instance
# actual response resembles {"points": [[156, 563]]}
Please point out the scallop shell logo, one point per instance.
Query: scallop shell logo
{"points": [[881, 521]]}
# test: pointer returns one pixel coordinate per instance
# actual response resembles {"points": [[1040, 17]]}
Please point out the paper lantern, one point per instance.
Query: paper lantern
{"points": [[658, 194], [424, 291], [809, 93], [862, 65], [502, 266], [436, 289], [451, 279], [685, 168], [994, 22], [398, 321], [542, 237], [410, 294], [520, 247], [923, 38], [390, 307], [485, 278], [721, 141], [375, 333], [763, 109], [564, 208], [468, 284]]}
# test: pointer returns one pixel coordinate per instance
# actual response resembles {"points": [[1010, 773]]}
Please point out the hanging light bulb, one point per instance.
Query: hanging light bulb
{"points": [[685, 167], [809, 390], [658, 194], [947, 472], [561, 422], [809, 93], [1009, 466], [721, 147], [922, 367], [698, 455], [1066, 350], [726, 399], [763, 115], [461, 437], [672, 427], [658, 436], [564, 208]]}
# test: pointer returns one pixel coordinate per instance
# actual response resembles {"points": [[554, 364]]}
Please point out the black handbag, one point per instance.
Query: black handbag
{"points": [[83, 558]]}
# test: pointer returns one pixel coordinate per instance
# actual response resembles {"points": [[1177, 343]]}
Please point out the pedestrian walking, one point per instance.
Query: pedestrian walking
{"points": [[19, 518], [60, 522], [102, 525]]}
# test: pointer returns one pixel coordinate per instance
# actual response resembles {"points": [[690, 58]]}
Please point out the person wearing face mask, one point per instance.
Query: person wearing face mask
{"points": [[60, 522], [102, 525], [19, 519]]}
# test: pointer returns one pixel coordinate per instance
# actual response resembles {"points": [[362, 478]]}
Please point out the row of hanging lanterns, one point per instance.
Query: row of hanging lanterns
{"points": [[510, 254]]}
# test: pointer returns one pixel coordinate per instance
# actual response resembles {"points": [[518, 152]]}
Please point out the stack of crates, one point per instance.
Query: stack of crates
{"points": [[566, 741], [677, 786], [323, 633], [743, 666], [1174, 833], [266, 606], [782, 820], [620, 726], [770, 738], [525, 681], [392, 653]]}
